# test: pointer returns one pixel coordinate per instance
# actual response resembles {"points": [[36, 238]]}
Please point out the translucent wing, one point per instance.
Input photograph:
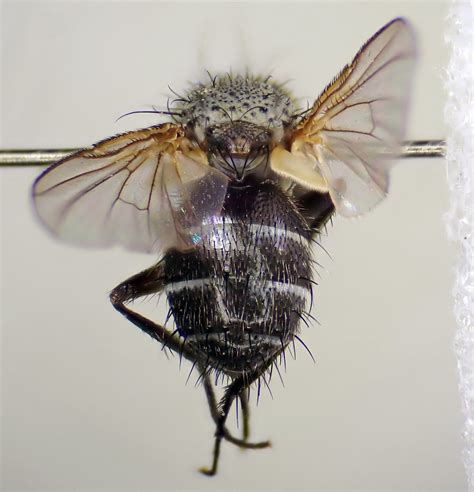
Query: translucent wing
{"points": [[343, 144], [142, 190]]}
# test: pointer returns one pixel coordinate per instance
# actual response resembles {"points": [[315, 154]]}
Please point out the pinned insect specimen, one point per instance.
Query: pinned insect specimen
{"points": [[229, 197]]}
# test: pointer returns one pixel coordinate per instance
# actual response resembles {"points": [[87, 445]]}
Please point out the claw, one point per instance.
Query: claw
{"points": [[206, 471]]}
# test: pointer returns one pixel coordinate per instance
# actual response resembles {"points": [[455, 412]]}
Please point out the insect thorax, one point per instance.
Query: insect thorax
{"points": [[238, 297], [247, 98]]}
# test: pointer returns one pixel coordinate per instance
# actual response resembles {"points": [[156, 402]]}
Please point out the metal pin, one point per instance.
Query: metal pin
{"points": [[423, 148], [32, 157], [37, 157]]}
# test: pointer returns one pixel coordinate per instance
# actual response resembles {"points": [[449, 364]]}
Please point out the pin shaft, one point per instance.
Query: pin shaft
{"points": [[40, 157], [32, 157], [423, 148]]}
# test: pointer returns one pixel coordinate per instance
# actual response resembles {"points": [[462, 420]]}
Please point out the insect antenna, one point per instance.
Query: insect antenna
{"points": [[306, 347]]}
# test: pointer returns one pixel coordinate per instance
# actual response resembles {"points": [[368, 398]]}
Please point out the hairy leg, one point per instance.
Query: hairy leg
{"points": [[216, 416], [244, 404], [238, 386], [151, 281]]}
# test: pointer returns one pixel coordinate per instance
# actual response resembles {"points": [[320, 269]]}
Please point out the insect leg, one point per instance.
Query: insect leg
{"points": [[149, 281], [317, 208], [244, 403], [238, 385], [216, 415]]}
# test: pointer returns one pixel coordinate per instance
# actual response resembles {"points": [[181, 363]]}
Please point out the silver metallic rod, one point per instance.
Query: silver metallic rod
{"points": [[32, 157], [423, 148], [39, 157]]}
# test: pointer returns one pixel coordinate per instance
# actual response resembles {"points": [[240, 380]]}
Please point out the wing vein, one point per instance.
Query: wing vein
{"points": [[72, 201], [119, 198], [357, 132], [81, 175], [158, 159], [351, 67]]}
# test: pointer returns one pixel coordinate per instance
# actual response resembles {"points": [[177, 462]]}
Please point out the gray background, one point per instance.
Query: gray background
{"points": [[88, 402]]}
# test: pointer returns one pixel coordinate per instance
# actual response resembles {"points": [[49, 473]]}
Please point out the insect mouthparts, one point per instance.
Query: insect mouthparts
{"points": [[238, 147]]}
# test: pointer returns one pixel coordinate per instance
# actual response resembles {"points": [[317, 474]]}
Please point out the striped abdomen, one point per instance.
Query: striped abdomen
{"points": [[238, 297]]}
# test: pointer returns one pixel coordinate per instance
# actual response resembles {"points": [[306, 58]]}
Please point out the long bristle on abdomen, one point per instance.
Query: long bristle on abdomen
{"points": [[238, 297]]}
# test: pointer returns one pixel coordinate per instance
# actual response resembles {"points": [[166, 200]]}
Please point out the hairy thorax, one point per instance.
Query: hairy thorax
{"points": [[237, 121]]}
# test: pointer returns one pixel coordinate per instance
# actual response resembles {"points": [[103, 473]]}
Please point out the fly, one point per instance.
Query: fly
{"points": [[229, 197]]}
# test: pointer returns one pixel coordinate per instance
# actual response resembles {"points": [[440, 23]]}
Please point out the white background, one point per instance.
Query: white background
{"points": [[89, 402]]}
